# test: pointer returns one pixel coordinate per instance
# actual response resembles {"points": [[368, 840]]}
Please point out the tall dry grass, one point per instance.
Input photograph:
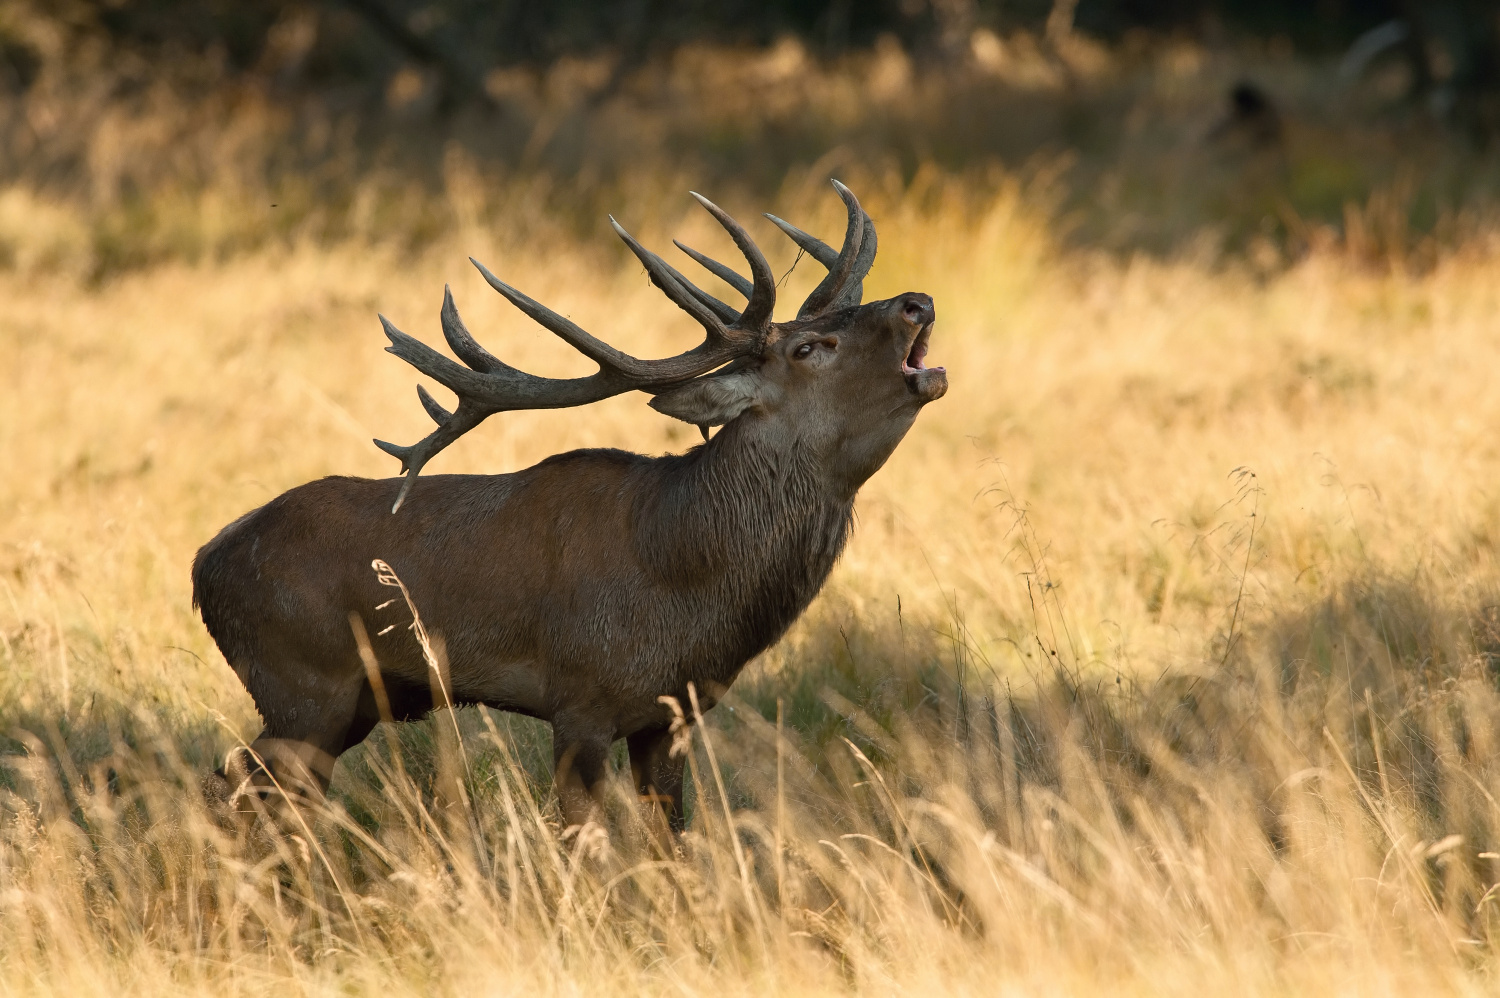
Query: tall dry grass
{"points": [[1164, 657]]}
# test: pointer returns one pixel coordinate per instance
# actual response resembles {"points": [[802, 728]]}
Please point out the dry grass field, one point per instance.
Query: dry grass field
{"points": [[1165, 657]]}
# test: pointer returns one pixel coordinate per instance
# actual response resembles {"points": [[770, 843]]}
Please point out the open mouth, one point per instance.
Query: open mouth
{"points": [[918, 352], [916, 356], [927, 382]]}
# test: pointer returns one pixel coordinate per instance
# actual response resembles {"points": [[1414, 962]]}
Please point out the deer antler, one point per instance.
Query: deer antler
{"points": [[488, 385], [847, 266]]}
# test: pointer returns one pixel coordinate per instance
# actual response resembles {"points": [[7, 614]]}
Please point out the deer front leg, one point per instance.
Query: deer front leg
{"points": [[657, 776], [580, 757]]}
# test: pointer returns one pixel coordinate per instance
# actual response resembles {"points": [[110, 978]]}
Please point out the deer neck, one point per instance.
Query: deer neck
{"points": [[750, 516]]}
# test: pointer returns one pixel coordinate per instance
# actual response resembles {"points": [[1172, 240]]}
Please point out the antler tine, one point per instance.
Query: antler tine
{"points": [[434, 409], [726, 313], [462, 342], [726, 274], [713, 314], [815, 247], [829, 289], [571, 333], [854, 288], [847, 268], [757, 313], [413, 457]]}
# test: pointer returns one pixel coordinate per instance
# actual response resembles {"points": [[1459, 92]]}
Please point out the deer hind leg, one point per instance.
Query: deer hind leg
{"points": [[266, 778], [290, 767], [293, 758], [580, 760], [657, 777]]}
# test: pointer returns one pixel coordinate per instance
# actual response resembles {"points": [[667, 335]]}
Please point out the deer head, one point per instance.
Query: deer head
{"points": [[843, 380]]}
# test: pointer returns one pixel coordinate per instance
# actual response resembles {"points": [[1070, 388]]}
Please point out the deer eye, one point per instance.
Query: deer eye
{"points": [[804, 351]]}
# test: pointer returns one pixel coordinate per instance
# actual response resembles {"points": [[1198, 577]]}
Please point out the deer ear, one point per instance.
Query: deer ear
{"points": [[710, 401]]}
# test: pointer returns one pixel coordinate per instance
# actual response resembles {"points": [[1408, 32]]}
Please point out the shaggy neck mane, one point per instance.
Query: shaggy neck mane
{"points": [[752, 528]]}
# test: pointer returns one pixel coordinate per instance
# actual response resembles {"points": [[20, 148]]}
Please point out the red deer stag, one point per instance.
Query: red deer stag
{"points": [[587, 588]]}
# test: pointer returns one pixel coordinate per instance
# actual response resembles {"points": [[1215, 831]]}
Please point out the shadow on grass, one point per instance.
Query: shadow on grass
{"points": [[874, 787]]}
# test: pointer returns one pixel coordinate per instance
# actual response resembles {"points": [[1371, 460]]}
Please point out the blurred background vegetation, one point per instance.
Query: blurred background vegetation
{"points": [[166, 128], [1089, 704]]}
